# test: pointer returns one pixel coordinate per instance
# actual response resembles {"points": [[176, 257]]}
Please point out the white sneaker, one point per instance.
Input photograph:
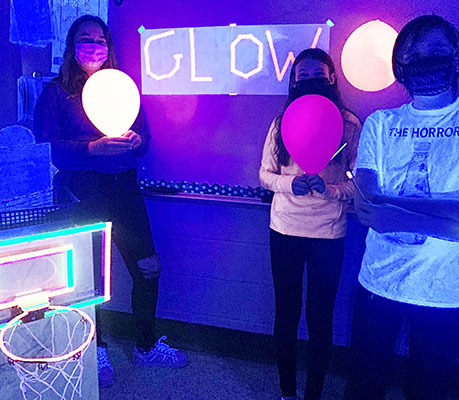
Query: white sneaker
{"points": [[162, 355], [104, 368]]}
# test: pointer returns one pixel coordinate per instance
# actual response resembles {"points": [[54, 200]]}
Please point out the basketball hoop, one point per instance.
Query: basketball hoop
{"points": [[48, 357], [44, 341]]}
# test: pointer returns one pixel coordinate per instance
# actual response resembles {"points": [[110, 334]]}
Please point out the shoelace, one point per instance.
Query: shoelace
{"points": [[163, 347], [102, 358]]}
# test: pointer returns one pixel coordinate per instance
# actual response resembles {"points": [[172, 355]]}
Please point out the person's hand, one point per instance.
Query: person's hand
{"points": [[106, 146], [317, 183], [134, 138], [382, 218], [300, 185]]}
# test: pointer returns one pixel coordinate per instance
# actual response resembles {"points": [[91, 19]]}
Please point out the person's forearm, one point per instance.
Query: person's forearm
{"points": [[442, 208], [340, 191], [276, 182], [69, 150], [408, 221]]}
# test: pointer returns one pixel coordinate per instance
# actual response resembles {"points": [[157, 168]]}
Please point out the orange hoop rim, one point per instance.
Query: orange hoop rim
{"points": [[63, 357]]}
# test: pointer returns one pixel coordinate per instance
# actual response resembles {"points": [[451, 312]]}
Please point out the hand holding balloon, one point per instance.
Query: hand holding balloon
{"points": [[300, 185], [109, 146], [134, 139], [316, 183], [305, 184]]}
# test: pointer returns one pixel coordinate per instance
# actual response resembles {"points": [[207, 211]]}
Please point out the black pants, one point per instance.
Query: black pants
{"points": [[117, 198], [433, 347], [324, 259]]}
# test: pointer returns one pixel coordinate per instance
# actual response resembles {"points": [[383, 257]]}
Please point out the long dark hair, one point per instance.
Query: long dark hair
{"points": [[283, 157], [417, 29], [71, 76]]}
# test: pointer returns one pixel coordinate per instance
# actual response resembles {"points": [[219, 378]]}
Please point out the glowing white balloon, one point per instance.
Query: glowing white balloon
{"points": [[111, 101], [366, 58]]}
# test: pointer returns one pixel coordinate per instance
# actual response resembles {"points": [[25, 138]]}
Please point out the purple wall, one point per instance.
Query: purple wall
{"points": [[218, 139], [215, 256]]}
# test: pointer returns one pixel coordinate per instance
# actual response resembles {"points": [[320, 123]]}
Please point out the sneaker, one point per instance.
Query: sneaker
{"points": [[104, 368], [162, 355]]}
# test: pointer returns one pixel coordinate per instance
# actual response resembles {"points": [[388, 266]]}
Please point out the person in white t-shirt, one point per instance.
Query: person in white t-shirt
{"points": [[408, 172], [308, 225]]}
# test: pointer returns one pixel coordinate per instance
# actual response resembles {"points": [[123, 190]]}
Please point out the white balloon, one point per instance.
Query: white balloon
{"points": [[111, 101]]}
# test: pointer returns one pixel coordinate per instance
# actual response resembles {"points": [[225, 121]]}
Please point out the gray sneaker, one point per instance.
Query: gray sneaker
{"points": [[162, 355]]}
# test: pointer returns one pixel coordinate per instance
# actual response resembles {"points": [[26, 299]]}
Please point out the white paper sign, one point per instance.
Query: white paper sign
{"points": [[250, 59]]}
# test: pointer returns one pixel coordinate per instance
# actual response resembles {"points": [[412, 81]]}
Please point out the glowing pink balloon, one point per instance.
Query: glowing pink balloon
{"points": [[312, 129]]}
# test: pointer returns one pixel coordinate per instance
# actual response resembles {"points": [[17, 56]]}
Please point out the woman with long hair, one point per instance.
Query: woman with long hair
{"points": [[308, 225], [101, 172]]}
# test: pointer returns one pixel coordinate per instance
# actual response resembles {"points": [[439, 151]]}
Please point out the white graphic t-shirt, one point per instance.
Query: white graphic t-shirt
{"points": [[415, 153]]}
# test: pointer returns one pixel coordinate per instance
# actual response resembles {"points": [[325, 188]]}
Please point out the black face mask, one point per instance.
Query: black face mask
{"points": [[429, 76], [320, 86]]}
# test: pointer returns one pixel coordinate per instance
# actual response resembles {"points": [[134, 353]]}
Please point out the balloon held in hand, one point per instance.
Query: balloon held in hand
{"points": [[111, 101], [312, 129]]}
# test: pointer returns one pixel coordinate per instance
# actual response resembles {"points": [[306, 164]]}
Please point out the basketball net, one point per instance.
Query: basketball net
{"points": [[47, 354]]}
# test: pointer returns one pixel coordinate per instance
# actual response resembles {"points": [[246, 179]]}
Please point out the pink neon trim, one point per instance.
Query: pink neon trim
{"points": [[30, 256], [107, 241], [35, 254], [18, 318]]}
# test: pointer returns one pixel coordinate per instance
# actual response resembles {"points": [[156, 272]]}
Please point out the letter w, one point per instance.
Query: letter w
{"points": [[290, 59]]}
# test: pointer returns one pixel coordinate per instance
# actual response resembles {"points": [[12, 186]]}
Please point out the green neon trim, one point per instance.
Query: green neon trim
{"points": [[45, 304], [6, 323], [55, 234], [70, 281], [97, 300]]}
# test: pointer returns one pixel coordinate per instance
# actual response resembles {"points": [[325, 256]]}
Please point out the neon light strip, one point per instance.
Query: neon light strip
{"points": [[66, 356], [40, 295], [106, 259], [34, 254], [316, 38], [29, 292], [92, 302], [70, 281], [55, 234], [86, 303], [106, 229], [36, 306], [28, 301]]}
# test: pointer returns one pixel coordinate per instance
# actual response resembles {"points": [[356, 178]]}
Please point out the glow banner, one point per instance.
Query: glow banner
{"points": [[246, 59]]}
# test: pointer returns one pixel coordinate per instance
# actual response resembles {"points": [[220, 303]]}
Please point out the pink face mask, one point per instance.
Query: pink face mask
{"points": [[91, 55]]}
